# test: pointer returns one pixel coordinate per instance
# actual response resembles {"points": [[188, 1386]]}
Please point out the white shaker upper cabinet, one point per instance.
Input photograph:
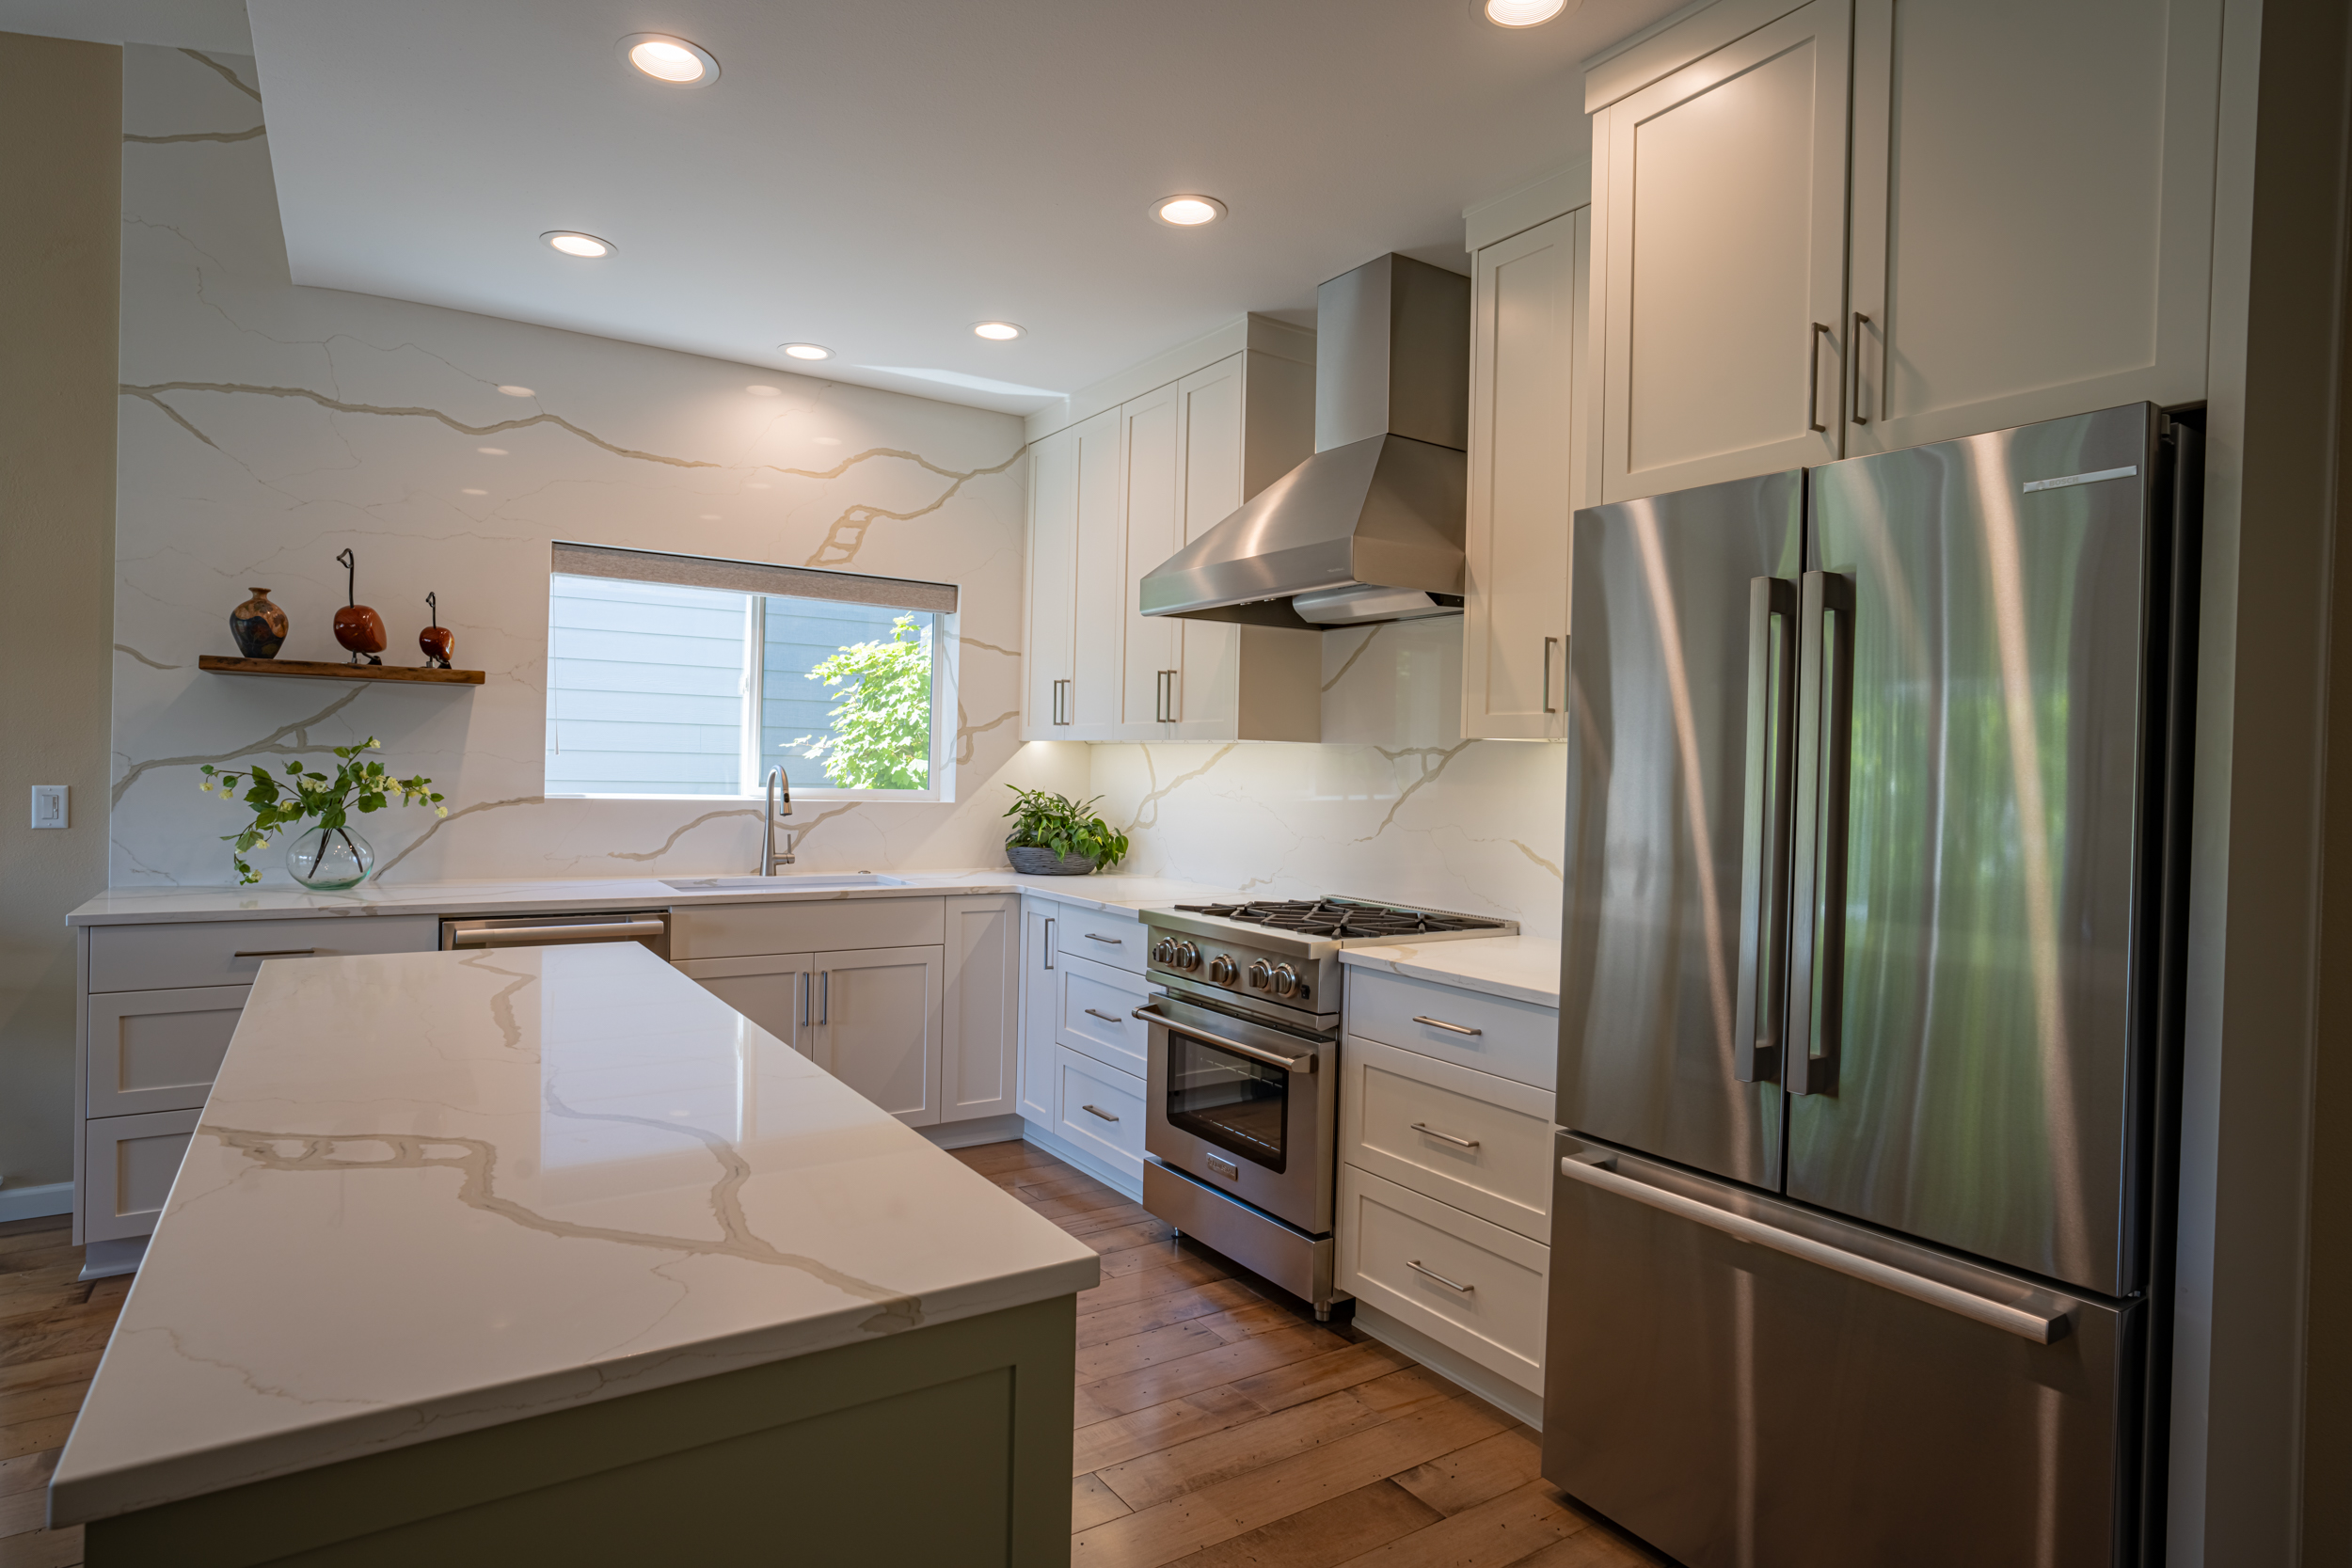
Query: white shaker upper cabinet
{"points": [[1719, 209], [1151, 496], [1092, 700], [2032, 210], [1526, 477], [1053, 560]]}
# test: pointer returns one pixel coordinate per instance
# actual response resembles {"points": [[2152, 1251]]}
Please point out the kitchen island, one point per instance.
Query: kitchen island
{"points": [[548, 1255]]}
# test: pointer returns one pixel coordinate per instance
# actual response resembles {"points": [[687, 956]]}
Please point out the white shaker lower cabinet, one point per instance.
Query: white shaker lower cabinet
{"points": [[876, 1027], [128, 1166], [773, 992], [980, 1021], [1445, 1174], [1101, 1110], [1083, 1052], [1040, 1003], [158, 1049]]}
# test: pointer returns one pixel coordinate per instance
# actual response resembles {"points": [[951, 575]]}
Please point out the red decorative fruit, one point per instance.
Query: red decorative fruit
{"points": [[360, 629]]}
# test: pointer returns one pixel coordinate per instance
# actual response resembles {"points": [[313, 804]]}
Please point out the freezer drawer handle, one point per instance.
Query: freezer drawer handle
{"points": [[2042, 1328], [1448, 1137], [1448, 1028], [1419, 1267], [594, 930]]}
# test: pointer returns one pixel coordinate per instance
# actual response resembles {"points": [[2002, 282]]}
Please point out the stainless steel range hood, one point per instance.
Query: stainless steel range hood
{"points": [[1370, 528]]}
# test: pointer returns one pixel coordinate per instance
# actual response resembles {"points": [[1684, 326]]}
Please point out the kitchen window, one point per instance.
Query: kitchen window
{"points": [[684, 676]]}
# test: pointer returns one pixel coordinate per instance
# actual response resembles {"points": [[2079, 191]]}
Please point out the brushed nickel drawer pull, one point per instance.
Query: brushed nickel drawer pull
{"points": [[1115, 942], [1100, 1112], [277, 953], [1107, 1018], [1462, 1143], [1448, 1028], [1419, 1267]]}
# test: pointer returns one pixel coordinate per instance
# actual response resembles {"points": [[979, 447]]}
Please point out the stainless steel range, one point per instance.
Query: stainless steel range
{"points": [[1242, 1110]]}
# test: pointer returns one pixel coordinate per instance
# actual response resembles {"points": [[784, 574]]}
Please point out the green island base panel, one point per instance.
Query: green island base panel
{"points": [[942, 1447]]}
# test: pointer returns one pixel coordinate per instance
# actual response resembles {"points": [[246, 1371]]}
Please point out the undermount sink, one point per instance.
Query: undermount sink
{"points": [[815, 882]]}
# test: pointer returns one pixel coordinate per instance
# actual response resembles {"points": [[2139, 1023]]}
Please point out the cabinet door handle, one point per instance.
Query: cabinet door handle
{"points": [[804, 977], [1447, 1137], [1115, 942], [1061, 702], [1163, 697], [275, 953], [1449, 1028], [1100, 1112], [824, 997], [1861, 320], [1813, 377], [1419, 1267], [1049, 944], [1107, 1018], [1549, 643]]}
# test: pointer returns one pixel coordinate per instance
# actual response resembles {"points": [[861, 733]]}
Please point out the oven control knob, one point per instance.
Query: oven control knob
{"points": [[1285, 980], [1260, 975], [1221, 970], [1163, 951], [1185, 956]]}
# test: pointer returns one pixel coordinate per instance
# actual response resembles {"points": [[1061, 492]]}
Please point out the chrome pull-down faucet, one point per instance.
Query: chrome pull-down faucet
{"points": [[768, 859]]}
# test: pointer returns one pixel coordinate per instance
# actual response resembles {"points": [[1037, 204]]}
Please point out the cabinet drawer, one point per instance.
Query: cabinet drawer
{"points": [[158, 1049], [1100, 1109], [1097, 1002], [1511, 1039], [1471, 1139], [230, 952], [745, 930], [1473, 1286], [1106, 938], [128, 1166]]}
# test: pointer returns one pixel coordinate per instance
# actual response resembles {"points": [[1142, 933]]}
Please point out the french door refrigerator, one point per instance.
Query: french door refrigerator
{"points": [[1869, 972]]}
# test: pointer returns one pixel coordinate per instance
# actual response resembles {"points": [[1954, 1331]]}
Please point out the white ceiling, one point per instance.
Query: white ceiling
{"points": [[206, 25], [877, 175]]}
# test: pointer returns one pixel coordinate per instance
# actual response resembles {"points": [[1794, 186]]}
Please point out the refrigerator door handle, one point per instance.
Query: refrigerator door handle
{"points": [[2042, 1328], [1825, 637], [1764, 830]]}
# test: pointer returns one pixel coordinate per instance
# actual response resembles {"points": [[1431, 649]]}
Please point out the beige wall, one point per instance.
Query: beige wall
{"points": [[60, 223]]}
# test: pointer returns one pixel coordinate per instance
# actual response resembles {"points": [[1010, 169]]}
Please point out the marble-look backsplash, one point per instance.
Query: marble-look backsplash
{"points": [[265, 427], [1393, 805]]}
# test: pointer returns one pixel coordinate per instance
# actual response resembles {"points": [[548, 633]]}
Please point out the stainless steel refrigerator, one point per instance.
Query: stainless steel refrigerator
{"points": [[1869, 980]]}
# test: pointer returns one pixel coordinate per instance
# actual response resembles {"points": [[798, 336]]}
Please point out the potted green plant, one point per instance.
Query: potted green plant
{"points": [[331, 855], [1056, 836]]}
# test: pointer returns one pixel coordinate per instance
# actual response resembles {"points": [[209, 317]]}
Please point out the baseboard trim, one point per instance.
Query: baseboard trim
{"points": [[105, 1259], [33, 1203], [980, 1129], [1070, 1153], [1449, 1363]]}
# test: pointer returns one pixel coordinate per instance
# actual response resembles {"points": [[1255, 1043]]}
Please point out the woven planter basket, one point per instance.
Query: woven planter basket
{"points": [[1035, 861]]}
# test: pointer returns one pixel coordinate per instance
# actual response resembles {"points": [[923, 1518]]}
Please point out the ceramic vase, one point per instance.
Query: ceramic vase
{"points": [[330, 858], [258, 626]]}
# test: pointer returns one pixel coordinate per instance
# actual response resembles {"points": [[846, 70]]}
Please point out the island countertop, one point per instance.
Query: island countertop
{"points": [[437, 1192]]}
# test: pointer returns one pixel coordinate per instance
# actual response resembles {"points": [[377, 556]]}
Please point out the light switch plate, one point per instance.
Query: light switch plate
{"points": [[49, 805]]}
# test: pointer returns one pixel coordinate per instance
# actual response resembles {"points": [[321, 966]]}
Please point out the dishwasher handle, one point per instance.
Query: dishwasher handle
{"points": [[487, 933]]}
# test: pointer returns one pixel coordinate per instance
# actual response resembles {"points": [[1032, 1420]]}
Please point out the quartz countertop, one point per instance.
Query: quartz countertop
{"points": [[139, 905], [436, 1192], [1525, 969]]}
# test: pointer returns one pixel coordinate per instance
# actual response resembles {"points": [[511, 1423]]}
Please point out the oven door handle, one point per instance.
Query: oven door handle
{"points": [[1255, 1053]]}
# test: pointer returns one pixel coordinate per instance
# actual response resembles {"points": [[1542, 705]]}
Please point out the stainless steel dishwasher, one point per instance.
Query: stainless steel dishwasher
{"points": [[650, 928]]}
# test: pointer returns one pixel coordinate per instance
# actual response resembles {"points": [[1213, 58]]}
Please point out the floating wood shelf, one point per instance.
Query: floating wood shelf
{"points": [[327, 670]]}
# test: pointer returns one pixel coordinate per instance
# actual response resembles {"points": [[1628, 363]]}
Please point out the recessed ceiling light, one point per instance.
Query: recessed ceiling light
{"points": [[1190, 211], [518, 391], [807, 350], [826, 440], [670, 59], [573, 243], [997, 332], [1523, 13], [473, 492], [760, 390], [709, 516], [491, 452]]}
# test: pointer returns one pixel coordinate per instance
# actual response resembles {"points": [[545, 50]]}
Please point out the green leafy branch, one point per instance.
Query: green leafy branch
{"points": [[882, 724], [354, 785], [1065, 826]]}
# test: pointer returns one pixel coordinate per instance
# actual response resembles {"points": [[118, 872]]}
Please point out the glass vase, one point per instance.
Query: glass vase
{"points": [[330, 858]]}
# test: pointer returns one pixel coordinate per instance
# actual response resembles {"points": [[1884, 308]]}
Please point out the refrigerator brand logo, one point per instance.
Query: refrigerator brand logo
{"points": [[2126, 472]]}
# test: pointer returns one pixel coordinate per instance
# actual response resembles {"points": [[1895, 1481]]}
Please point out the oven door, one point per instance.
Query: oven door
{"points": [[1244, 1107]]}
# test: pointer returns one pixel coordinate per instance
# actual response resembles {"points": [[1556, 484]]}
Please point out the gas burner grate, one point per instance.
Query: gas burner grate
{"points": [[1340, 918]]}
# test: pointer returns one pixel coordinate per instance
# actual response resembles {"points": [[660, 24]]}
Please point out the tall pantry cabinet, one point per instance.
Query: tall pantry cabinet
{"points": [[1852, 226], [1122, 477]]}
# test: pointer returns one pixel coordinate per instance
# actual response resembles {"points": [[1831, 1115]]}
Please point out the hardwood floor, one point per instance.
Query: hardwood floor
{"points": [[1219, 1425], [52, 1330]]}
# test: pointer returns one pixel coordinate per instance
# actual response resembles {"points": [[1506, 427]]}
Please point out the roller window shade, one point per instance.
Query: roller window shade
{"points": [[754, 577]]}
